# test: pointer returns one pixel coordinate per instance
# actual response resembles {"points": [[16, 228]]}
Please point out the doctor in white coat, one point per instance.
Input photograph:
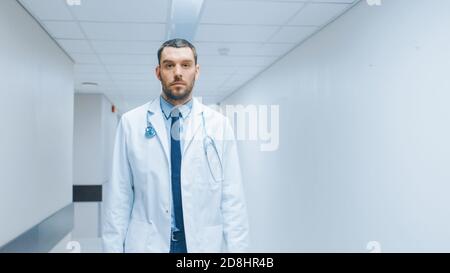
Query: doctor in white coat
{"points": [[176, 181]]}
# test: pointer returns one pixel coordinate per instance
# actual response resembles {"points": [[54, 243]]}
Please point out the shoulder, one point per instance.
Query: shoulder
{"points": [[135, 115], [134, 120]]}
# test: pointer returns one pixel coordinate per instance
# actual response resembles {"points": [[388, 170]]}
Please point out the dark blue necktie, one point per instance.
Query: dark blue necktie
{"points": [[178, 242]]}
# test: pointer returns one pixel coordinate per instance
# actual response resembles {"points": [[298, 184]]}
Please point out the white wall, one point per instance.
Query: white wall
{"points": [[36, 106], [109, 125], [87, 154], [94, 133], [364, 135]]}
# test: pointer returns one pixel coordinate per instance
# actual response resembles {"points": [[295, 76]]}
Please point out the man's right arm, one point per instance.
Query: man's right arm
{"points": [[119, 195]]}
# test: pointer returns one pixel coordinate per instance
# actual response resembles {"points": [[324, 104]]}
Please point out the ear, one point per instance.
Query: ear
{"points": [[197, 71], [158, 72]]}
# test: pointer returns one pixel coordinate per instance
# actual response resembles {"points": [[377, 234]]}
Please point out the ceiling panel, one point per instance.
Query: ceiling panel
{"points": [[124, 31], [129, 69], [132, 77], [88, 68], [75, 46], [237, 61], [249, 69], [126, 47], [318, 14], [89, 77], [214, 74], [64, 30], [48, 9], [228, 33], [292, 34], [275, 48], [122, 10], [117, 59], [205, 69], [248, 12], [242, 49], [80, 58]]}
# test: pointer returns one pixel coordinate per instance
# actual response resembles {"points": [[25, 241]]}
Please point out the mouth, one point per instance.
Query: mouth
{"points": [[178, 83]]}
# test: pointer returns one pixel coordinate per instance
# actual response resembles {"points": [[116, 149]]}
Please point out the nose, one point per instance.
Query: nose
{"points": [[177, 72]]}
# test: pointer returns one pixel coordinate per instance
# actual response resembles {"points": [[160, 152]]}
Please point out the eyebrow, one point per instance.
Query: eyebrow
{"points": [[183, 61]]}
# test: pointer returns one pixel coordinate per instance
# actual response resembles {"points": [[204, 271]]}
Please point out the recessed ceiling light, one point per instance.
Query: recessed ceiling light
{"points": [[223, 51], [90, 84]]}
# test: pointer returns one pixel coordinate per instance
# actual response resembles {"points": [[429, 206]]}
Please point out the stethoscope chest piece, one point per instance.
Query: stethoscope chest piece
{"points": [[150, 132]]}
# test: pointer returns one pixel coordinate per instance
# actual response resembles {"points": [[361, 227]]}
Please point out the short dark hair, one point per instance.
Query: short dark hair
{"points": [[177, 43]]}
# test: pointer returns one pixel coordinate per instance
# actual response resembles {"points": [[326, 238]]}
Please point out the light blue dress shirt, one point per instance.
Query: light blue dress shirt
{"points": [[185, 110]]}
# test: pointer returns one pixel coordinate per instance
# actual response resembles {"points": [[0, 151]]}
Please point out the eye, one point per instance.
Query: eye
{"points": [[169, 66], [186, 65]]}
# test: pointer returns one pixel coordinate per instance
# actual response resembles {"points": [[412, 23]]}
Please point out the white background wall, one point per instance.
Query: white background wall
{"points": [[109, 125], [364, 135], [94, 133], [87, 154], [36, 106]]}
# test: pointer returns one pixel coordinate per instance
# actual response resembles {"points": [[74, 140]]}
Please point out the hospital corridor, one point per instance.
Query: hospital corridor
{"points": [[303, 126]]}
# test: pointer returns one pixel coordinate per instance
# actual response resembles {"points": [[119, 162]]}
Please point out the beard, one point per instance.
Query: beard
{"points": [[175, 94]]}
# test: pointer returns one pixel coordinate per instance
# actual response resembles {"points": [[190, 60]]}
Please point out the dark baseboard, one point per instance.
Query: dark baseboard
{"points": [[87, 193]]}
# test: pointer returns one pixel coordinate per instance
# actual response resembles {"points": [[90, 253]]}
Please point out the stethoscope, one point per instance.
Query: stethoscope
{"points": [[209, 146]]}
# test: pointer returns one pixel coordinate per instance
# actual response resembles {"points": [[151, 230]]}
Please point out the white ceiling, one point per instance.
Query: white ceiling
{"points": [[114, 42]]}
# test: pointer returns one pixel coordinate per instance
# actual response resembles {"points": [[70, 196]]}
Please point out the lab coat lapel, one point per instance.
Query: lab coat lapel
{"points": [[193, 123], [157, 121]]}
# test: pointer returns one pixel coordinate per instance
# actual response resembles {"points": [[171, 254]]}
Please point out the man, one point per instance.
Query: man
{"points": [[176, 184]]}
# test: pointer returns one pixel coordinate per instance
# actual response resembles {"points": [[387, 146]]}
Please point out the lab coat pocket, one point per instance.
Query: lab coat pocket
{"points": [[212, 238], [138, 234]]}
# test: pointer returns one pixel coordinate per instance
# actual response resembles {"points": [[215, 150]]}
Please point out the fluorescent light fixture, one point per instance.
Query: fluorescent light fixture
{"points": [[73, 2], [184, 18]]}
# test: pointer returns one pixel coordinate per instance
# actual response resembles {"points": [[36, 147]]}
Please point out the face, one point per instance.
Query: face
{"points": [[177, 72]]}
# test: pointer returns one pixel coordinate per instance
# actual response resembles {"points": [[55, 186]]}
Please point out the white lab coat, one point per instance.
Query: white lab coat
{"points": [[137, 205]]}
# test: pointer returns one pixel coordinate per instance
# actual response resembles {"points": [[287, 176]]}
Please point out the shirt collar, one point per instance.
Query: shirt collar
{"points": [[167, 108]]}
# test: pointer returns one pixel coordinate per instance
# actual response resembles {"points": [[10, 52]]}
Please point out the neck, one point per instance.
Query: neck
{"points": [[176, 102]]}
